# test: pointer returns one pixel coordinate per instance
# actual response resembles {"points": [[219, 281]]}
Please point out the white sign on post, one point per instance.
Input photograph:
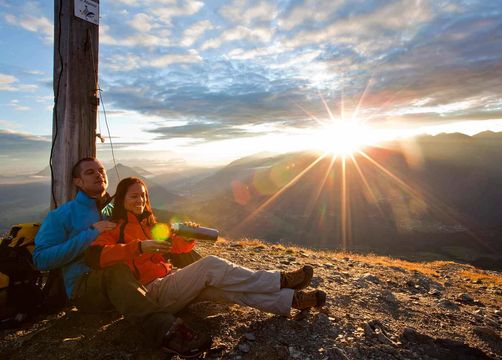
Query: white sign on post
{"points": [[87, 10]]}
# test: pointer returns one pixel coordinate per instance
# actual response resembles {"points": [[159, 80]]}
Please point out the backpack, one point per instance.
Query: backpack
{"points": [[25, 291]]}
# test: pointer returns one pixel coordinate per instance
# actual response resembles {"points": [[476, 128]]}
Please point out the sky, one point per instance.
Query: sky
{"points": [[202, 83]]}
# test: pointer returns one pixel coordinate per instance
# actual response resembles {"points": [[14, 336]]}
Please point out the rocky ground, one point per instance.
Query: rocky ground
{"points": [[377, 308]]}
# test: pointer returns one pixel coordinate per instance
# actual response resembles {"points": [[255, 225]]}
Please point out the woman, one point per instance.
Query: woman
{"points": [[210, 278]]}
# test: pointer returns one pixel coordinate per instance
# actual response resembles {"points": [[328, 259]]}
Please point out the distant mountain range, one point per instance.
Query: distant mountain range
{"points": [[430, 197], [437, 196]]}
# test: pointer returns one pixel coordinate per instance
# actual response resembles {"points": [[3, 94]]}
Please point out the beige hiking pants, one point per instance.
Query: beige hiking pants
{"points": [[216, 279]]}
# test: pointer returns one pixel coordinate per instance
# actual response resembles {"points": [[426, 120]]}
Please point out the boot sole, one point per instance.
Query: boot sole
{"points": [[204, 349], [321, 298], [308, 271]]}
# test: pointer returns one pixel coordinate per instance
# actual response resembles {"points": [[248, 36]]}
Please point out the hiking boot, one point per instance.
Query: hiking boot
{"points": [[298, 279], [307, 299], [185, 342]]}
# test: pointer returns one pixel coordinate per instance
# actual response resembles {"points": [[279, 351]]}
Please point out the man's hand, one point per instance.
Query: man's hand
{"points": [[104, 225], [180, 238], [154, 247]]}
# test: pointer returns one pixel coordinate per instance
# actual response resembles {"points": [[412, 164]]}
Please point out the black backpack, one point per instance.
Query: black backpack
{"points": [[25, 291]]}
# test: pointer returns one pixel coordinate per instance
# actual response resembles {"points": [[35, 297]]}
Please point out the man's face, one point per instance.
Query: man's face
{"points": [[93, 180]]}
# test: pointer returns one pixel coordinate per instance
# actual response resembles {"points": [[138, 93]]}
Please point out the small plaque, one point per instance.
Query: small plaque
{"points": [[87, 10]]}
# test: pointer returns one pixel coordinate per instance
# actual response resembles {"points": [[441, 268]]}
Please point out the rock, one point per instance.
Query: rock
{"points": [[316, 281], [435, 292], [384, 339], [485, 331], [388, 297], [336, 354], [371, 278], [465, 298], [490, 321], [328, 265], [321, 322], [397, 268], [244, 347], [337, 278], [250, 336], [368, 331], [423, 283], [295, 354], [411, 335], [447, 304]]}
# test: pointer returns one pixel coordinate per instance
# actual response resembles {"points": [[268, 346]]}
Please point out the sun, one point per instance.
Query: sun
{"points": [[345, 137]]}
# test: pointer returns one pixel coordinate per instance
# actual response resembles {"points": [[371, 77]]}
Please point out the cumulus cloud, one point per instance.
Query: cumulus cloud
{"points": [[194, 32], [311, 11], [249, 12], [256, 34], [141, 22], [41, 25]]}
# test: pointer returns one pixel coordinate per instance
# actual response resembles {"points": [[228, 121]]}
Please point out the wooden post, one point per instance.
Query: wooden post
{"points": [[76, 97]]}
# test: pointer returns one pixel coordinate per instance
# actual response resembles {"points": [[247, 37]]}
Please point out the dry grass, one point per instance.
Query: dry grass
{"points": [[430, 268], [251, 243], [490, 279], [221, 241], [426, 268]]}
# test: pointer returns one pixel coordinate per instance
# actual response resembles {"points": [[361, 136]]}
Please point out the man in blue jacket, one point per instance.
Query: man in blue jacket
{"points": [[61, 243]]}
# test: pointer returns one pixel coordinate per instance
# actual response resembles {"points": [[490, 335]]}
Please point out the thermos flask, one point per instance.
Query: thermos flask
{"points": [[194, 232]]}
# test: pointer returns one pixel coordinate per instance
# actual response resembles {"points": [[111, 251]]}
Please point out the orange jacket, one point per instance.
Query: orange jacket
{"points": [[106, 250]]}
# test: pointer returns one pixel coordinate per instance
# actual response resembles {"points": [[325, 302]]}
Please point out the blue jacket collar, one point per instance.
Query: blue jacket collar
{"points": [[86, 200]]}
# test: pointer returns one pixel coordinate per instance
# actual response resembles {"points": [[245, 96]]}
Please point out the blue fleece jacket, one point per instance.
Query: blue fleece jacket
{"points": [[64, 236]]}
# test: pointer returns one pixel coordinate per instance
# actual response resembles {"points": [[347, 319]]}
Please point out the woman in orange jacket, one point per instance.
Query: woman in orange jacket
{"points": [[210, 278]]}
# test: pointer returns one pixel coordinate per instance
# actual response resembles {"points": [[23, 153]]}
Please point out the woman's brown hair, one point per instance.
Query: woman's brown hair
{"points": [[119, 212]]}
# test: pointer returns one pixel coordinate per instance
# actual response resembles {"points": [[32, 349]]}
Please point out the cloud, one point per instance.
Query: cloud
{"points": [[138, 39], [311, 10], [240, 33], [195, 31], [7, 82], [17, 106], [131, 61], [38, 24], [248, 12], [367, 30], [168, 59], [200, 131], [17, 142], [141, 22]]}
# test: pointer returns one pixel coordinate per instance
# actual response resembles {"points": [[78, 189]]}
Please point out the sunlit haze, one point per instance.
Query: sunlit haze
{"points": [[191, 83]]}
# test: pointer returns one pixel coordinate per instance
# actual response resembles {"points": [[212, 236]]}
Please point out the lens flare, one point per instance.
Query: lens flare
{"points": [[161, 231], [345, 137]]}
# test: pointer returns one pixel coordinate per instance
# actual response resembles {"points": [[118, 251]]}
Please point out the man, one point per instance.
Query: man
{"points": [[61, 242]]}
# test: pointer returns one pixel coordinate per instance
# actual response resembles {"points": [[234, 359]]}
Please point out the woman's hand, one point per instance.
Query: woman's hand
{"points": [[155, 247]]}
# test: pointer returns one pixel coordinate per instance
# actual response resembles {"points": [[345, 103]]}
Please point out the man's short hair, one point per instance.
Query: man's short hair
{"points": [[75, 171]]}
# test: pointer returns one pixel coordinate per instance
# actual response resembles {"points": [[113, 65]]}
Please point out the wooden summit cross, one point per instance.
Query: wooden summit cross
{"points": [[76, 40]]}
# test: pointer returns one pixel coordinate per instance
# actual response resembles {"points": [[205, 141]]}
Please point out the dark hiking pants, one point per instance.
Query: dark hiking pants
{"points": [[116, 287]]}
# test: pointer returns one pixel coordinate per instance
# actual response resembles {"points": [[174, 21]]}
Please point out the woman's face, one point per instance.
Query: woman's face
{"points": [[135, 199]]}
